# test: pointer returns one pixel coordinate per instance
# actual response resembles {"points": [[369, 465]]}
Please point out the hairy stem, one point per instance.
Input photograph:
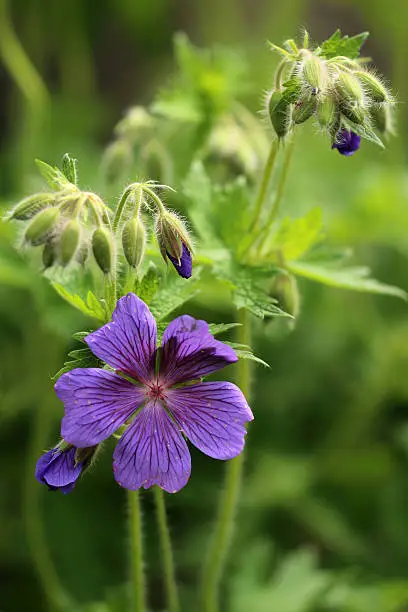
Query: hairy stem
{"points": [[228, 506], [173, 603], [264, 185], [137, 586], [278, 196]]}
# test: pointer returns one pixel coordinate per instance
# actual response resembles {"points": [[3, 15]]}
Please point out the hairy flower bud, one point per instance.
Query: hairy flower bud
{"points": [[134, 241], [315, 73], [42, 226], [381, 117], [304, 110], [279, 110], [327, 113], [102, 248], [49, 255], [354, 113], [349, 89], [69, 241], [30, 206], [174, 242], [373, 87]]}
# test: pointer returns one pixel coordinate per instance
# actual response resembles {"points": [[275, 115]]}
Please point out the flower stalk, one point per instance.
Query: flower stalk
{"points": [[137, 581], [173, 603]]}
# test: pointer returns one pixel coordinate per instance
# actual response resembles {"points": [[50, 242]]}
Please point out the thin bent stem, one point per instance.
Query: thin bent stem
{"points": [[266, 179], [136, 554], [279, 193], [173, 602], [224, 527]]}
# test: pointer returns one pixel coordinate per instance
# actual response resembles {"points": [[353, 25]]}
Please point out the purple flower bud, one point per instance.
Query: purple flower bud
{"points": [[59, 468], [347, 142], [184, 265]]}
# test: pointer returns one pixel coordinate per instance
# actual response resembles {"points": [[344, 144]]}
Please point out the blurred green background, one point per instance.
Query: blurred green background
{"points": [[323, 525]]}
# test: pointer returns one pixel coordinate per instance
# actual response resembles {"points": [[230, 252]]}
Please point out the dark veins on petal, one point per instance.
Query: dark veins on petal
{"points": [[57, 469], [185, 266], [347, 142]]}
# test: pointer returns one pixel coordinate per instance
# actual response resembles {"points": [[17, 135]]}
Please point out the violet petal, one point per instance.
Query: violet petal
{"points": [[57, 469], [128, 342], [96, 403], [152, 451], [189, 351], [212, 415], [185, 266]]}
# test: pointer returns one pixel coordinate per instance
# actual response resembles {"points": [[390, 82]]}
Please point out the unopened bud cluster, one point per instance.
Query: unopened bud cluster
{"points": [[339, 93]]}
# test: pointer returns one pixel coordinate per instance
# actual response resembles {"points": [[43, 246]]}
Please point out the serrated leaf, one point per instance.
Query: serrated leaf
{"points": [[220, 328], [247, 291], [54, 177], [294, 237], [354, 278], [173, 294], [80, 358], [81, 335], [147, 287], [343, 45], [89, 308], [232, 216], [69, 168], [365, 131], [244, 352]]}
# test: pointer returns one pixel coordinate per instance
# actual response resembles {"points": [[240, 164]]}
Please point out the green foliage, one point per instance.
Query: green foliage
{"points": [[295, 237], [90, 307], [354, 278], [79, 358], [348, 46], [54, 177], [173, 293]]}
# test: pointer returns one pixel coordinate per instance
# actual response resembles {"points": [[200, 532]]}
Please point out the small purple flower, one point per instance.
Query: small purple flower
{"points": [[184, 266], [347, 142], [58, 469], [148, 393]]}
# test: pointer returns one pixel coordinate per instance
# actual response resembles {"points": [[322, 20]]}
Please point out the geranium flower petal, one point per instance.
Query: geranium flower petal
{"points": [[96, 403], [152, 451], [128, 341], [57, 469], [189, 351], [212, 415]]}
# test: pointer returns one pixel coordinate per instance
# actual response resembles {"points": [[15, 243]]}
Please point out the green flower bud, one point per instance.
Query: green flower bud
{"points": [[303, 110], [354, 113], [171, 233], [102, 248], [279, 110], [42, 226], [117, 159], [349, 88], [69, 241], [27, 208], [134, 241], [82, 254], [381, 117], [315, 73], [327, 113], [373, 87], [48, 255]]}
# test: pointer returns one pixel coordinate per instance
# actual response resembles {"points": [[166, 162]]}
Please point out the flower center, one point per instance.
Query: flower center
{"points": [[156, 390]]}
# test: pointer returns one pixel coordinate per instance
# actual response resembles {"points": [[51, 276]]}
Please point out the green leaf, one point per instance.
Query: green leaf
{"points": [[54, 177], [245, 282], [197, 188], [80, 358], [232, 216], [220, 328], [81, 335], [92, 307], [69, 168], [365, 131], [355, 278], [173, 293], [147, 287], [294, 237], [244, 352], [343, 45]]}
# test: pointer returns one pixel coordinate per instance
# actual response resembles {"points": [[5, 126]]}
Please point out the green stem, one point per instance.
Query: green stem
{"points": [[279, 193], [224, 527], [266, 179], [173, 603], [121, 206], [136, 554]]}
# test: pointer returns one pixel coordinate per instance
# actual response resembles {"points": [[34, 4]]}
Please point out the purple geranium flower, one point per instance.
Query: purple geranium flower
{"points": [[58, 469], [148, 392], [347, 142], [184, 265]]}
